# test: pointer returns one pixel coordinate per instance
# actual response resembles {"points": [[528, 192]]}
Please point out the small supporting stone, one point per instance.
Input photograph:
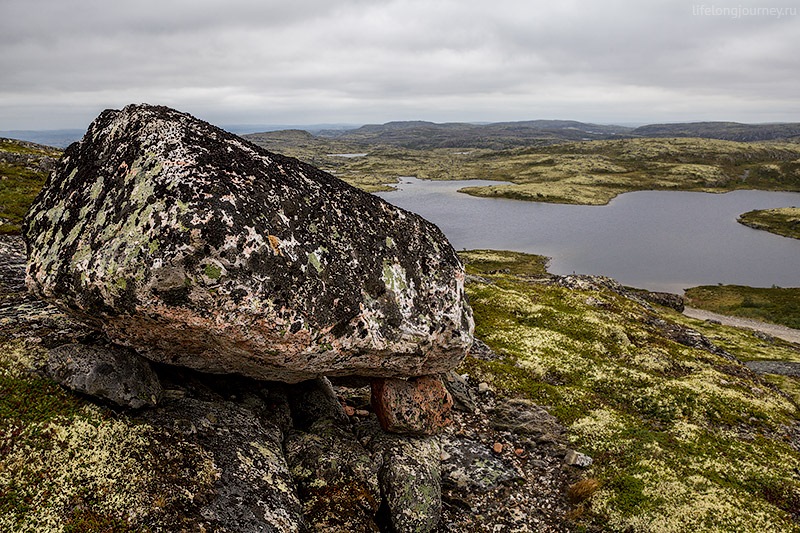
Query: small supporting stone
{"points": [[416, 406]]}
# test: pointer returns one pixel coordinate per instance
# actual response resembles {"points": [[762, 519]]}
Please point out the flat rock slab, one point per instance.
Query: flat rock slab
{"points": [[197, 248], [783, 368], [110, 372]]}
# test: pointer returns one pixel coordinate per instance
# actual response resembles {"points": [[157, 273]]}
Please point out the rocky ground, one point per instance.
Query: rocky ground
{"points": [[235, 454]]}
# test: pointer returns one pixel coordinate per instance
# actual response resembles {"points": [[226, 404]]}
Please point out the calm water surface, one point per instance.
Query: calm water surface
{"points": [[658, 240]]}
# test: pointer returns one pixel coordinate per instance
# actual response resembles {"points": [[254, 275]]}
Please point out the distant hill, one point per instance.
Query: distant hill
{"points": [[498, 135], [501, 135], [56, 138], [423, 135], [726, 131]]}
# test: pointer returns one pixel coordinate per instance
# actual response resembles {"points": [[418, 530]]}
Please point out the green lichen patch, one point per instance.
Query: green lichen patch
{"points": [[213, 272], [682, 439]]}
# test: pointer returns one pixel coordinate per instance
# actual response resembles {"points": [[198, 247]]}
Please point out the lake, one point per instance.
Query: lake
{"points": [[657, 240]]}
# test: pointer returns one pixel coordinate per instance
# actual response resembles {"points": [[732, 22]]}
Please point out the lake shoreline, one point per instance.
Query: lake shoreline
{"points": [[663, 241]]}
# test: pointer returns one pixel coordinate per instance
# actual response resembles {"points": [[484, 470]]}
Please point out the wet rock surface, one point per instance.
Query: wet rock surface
{"points": [[199, 249]]}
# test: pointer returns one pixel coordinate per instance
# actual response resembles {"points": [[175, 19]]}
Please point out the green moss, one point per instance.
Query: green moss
{"points": [[681, 439], [744, 343], [788, 384], [783, 221], [20, 182], [22, 147], [777, 305], [18, 188], [493, 261], [629, 498], [69, 465], [213, 272], [26, 399]]}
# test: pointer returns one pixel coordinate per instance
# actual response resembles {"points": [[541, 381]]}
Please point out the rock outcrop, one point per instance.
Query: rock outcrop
{"points": [[229, 453], [199, 249]]}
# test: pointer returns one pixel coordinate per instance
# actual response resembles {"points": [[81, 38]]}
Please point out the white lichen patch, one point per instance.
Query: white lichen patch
{"points": [[55, 466], [683, 438], [600, 425]]}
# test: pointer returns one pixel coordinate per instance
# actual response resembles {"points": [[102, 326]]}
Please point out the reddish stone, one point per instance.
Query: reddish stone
{"points": [[416, 406]]}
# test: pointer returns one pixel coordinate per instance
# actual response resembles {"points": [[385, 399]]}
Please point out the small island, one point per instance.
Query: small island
{"points": [[784, 221]]}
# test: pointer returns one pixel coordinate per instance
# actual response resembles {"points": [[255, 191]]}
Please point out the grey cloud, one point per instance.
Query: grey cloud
{"points": [[359, 60]]}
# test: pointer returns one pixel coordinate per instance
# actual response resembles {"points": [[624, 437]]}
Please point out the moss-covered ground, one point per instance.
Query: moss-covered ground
{"points": [[682, 439], [69, 465], [783, 221], [20, 180], [776, 304]]}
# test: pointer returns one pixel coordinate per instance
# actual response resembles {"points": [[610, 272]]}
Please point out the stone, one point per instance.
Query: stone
{"points": [[473, 467], [480, 350], [109, 372], [255, 490], [524, 417], [314, 400], [573, 458], [416, 406], [667, 299], [459, 389], [197, 248], [336, 478], [411, 482]]}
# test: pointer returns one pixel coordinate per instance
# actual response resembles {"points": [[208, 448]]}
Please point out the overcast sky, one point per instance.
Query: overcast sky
{"points": [[372, 61]]}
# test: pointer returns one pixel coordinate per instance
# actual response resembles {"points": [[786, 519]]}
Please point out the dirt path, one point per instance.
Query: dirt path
{"points": [[782, 332]]}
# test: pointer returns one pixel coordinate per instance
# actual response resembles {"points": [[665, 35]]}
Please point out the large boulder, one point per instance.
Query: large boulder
{"points": [[199, 249]]}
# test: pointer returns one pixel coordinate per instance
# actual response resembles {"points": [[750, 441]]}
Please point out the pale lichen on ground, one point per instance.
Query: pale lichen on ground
{"points": [[683, 439]]}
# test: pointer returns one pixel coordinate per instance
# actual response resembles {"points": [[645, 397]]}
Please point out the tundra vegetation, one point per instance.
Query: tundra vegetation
{"points": [[783, 221], [778, 305], [590, 172], [23, 169], [683, 439]]}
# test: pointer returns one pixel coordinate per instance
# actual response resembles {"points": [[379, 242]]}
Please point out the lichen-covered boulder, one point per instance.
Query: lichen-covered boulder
{"points": [[199, 249]]}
